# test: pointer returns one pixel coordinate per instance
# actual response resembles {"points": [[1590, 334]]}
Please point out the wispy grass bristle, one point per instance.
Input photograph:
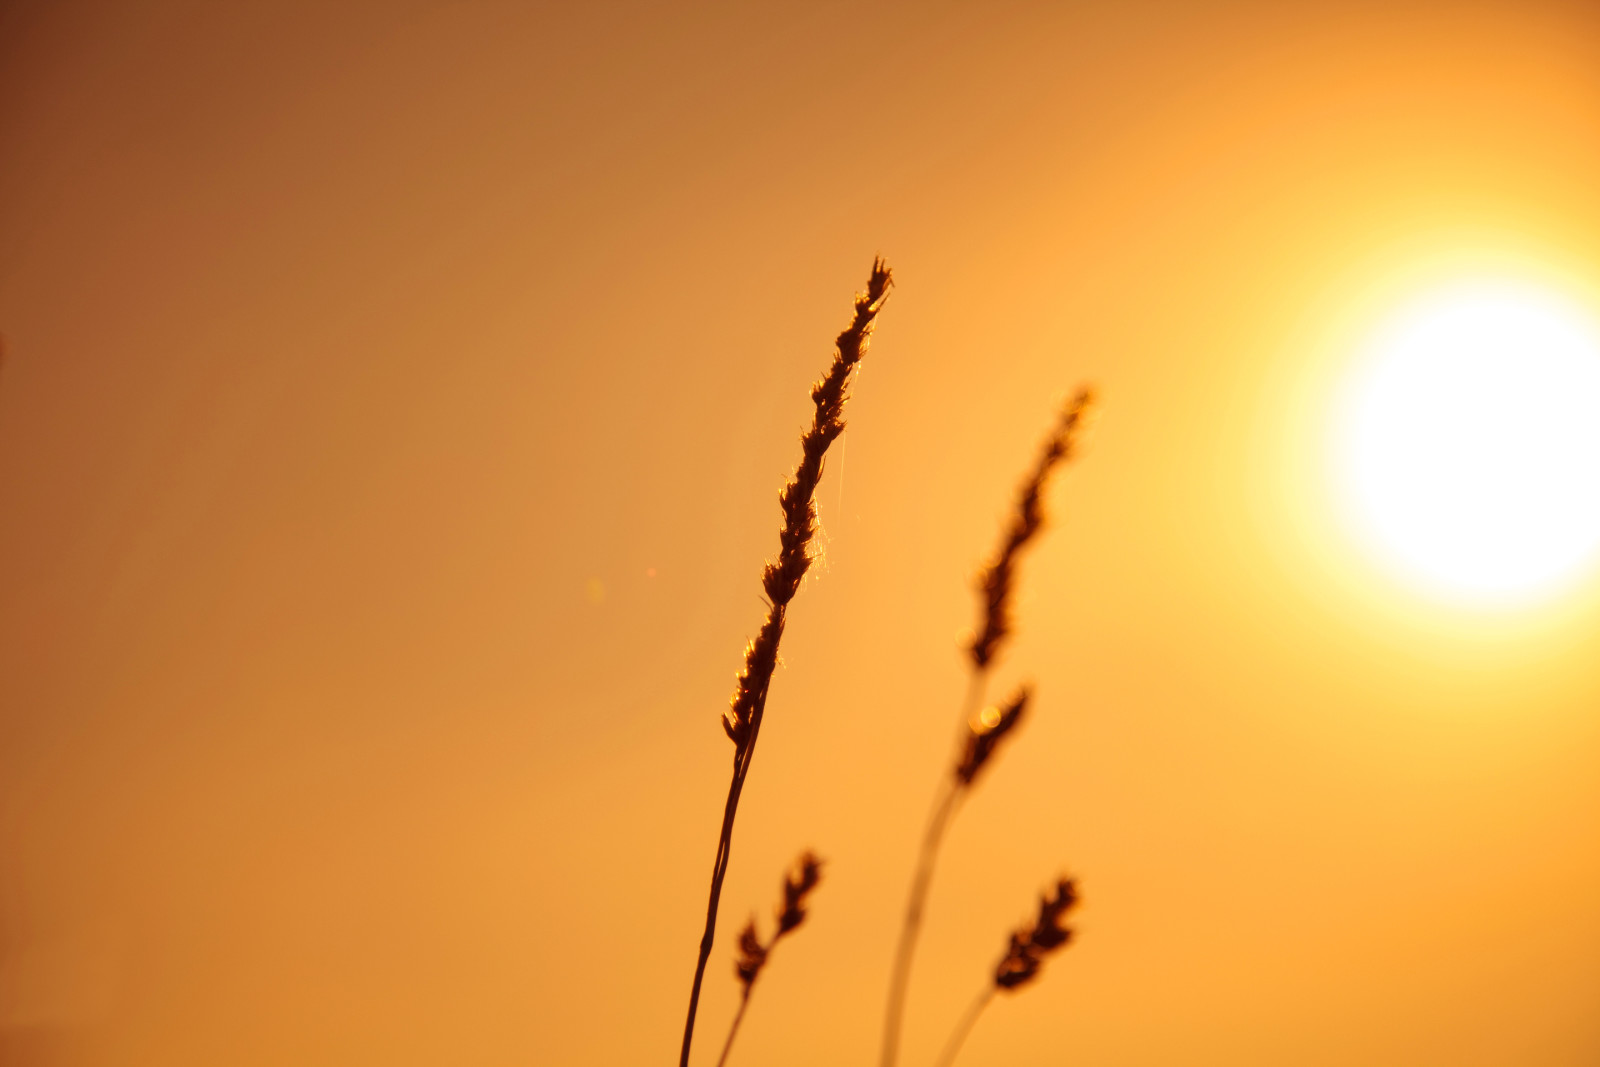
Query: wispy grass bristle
{"points": [[780, 580], [797, 885], [752, 956]]}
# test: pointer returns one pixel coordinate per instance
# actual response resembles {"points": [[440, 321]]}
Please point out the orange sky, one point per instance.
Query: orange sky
{"points": [[394, 401]]}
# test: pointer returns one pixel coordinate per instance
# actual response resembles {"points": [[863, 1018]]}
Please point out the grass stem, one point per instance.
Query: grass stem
{"points": [[738, 1017], [719, 868], [958, 1036], [945, 802]]}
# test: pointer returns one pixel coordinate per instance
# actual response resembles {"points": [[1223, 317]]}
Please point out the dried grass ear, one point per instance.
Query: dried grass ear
{"points": [[797, 885], [1017, 965], [984, 733], [1030, 945], [996, 581], [1048, 933]]}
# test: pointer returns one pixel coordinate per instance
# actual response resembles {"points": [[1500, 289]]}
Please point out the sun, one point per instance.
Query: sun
{"points": [[1466, 444]]}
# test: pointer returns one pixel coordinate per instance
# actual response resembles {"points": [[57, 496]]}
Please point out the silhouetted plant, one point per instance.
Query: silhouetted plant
{"points": [[981, 732], [753, 953], [1021, 962], [781, 580]]}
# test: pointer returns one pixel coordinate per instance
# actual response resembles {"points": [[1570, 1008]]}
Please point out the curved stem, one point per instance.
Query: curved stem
{"points": [[719, 869], [738, 1017], [958, 1036], [944, 805]]}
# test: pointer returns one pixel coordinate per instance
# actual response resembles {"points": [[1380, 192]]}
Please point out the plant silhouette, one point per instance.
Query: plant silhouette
{"points": [[983, 729]]}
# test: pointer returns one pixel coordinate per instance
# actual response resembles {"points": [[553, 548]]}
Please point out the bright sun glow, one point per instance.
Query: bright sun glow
{"points": [[1467, 446]]}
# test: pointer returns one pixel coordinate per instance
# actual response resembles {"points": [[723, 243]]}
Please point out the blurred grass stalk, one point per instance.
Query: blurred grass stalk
{"points": [[980, 731]]}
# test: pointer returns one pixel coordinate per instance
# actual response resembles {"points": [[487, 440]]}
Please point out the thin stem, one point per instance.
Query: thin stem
{"points": [[945, 802], [958, 1036], [719, 868], [944, 805], [738, 1017]]}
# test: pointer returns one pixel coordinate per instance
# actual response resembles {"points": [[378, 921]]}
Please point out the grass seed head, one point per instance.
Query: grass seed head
{"points": [[1030, 945], [752, 955], [781, 578], [984, 733], [797, 885], [996, 581]]}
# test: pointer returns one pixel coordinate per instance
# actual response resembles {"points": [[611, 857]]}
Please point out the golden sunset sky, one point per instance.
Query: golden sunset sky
{"points": [[393, 405]]}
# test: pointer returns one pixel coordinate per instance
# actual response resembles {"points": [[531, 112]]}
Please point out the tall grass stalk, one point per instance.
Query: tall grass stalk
{"points": [[781, 580]]}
